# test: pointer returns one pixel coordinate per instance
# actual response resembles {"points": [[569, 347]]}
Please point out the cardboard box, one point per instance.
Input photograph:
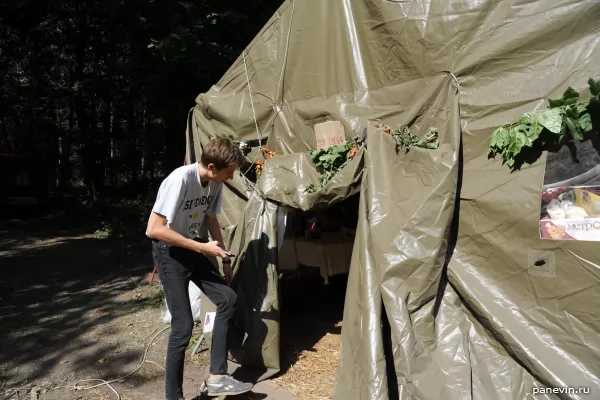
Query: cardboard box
{"points": [[588, 199], [329, 133]]}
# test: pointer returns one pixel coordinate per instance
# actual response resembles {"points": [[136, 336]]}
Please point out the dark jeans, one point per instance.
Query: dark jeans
{"points": [[176, 267]]}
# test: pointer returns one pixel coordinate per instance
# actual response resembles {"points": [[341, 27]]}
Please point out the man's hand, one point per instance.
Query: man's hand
{"points": [[228, 272], [213, 249]]}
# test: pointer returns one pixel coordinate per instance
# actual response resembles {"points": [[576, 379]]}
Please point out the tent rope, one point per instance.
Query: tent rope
{"points": [[258, 135], [285, 57], [455, 79]]}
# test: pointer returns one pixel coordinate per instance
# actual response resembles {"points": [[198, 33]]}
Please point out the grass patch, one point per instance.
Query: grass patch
{"points": [[155, 296]]}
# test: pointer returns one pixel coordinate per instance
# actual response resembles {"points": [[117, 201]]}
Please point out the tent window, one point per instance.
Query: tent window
{"points": [[570, 203]]}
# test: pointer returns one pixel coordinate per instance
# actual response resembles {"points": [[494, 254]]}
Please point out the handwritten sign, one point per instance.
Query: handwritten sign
{"points": [[329, 133]]}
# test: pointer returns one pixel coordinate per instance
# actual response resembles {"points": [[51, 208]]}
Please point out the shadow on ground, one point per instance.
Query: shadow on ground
{"points": [[55, 295], [62, 289], [244, 396]]}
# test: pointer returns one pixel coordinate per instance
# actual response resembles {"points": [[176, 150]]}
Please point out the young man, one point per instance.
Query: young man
{"points": [[189, 196]]}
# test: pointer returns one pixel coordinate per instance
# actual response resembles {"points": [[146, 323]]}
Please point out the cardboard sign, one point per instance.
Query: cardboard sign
{"points": [[329, 133], [587, 229]]}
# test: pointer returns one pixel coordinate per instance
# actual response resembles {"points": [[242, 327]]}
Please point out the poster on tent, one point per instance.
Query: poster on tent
{"points": [[570, 204]]}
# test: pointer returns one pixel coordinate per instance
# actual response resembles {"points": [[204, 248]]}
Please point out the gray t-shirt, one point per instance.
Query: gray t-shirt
{"points": [[184, 202]]}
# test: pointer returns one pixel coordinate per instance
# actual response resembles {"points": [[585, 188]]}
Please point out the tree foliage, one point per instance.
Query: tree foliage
{"points": [[565, 120], [98, 90]]}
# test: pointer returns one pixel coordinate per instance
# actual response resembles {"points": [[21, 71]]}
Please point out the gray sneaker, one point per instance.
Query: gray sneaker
{"points": [[226, 385]]}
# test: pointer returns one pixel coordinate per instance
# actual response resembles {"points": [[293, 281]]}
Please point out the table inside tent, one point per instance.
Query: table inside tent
{"points": [[331, 253]]}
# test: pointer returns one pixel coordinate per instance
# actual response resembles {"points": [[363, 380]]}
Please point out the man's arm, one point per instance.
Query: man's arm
{"points": [[158, 229], [212, 224], [210, 219]]}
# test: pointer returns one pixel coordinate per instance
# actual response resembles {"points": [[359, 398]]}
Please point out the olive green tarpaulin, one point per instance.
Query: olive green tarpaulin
{"points": [[443, 301]]}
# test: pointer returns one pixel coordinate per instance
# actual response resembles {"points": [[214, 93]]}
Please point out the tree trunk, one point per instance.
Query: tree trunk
{"points": [[5, 136], [65, 151], [134, 131], [116, 132], [131, 153]]}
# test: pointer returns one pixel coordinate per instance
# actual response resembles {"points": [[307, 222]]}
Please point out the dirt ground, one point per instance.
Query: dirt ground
{"points": [[75, 306]]}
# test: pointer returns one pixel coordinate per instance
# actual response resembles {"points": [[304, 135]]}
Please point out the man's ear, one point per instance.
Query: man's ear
{"points": [[211, 167]]}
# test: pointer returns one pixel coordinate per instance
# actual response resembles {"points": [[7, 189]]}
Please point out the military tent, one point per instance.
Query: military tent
{"points": [[446, 298]]}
